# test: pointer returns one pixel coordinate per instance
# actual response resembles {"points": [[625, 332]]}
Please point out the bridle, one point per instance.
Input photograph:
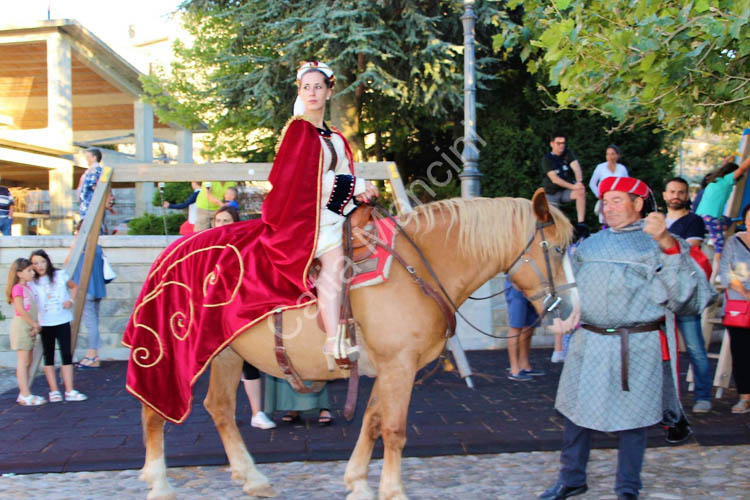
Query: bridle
{"points": [[549, 293]]}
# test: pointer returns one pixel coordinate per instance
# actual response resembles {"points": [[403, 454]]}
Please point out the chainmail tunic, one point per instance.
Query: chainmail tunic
{"points": [[624, 279]]}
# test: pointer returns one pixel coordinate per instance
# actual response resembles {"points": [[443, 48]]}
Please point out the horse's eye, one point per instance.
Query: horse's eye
{"points": [[559, 250]]}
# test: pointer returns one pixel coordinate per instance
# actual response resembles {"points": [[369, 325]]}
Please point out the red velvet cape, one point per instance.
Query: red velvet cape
{"points": [[207, 288]]}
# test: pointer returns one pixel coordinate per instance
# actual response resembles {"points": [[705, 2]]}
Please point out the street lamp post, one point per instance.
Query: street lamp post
{"points": [[470, 184]]}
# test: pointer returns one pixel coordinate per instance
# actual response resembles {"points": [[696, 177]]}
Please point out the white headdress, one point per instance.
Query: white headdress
{"points": [[299, 106]]}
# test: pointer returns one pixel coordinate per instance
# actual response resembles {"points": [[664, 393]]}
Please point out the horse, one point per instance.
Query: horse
{"points": [[467, 242]]}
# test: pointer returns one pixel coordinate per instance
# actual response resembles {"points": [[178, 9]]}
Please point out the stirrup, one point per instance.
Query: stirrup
{"points": [[337, 349]]}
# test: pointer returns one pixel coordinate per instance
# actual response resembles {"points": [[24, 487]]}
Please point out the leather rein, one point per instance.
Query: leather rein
{"points": [[549, 292]]}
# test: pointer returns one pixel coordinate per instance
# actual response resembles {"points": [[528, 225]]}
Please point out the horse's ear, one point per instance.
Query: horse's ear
{"points": [[541, 207]]}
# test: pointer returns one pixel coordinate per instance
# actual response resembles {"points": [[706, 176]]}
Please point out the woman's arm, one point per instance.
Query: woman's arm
{"points": [[743, 168], [594, 182], [23, 313]]}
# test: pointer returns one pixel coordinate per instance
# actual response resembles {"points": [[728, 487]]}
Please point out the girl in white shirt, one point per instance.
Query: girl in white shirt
{"points": [[52, 288]]}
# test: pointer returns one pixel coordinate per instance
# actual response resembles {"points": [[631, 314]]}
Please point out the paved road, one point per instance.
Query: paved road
{"points": [[688, 472]]}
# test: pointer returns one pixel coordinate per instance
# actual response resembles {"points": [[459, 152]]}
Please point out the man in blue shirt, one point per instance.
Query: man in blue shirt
{"points": [[690, 227], [6, 210]]}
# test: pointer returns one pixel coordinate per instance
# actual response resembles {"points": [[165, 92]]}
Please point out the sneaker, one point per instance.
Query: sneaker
{"points": [[55, 397], [534, 373], [558, 357], [75, 396], [702, 406], [521, 377], [261, 421]]}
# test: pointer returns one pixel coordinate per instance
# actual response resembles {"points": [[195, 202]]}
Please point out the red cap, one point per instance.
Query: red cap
{"points": [[624, 184]]}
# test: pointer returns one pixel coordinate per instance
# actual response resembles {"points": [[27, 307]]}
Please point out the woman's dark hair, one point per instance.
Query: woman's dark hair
{"points": [[326, 80], [231, 211], [704, 182], [96, 153], [725, 169], [51, 270], [744, 212], [612, 146]]}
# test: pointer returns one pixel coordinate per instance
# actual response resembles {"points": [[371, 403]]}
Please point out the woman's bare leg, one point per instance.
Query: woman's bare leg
{"points": [[329, 286], [22, 372]]}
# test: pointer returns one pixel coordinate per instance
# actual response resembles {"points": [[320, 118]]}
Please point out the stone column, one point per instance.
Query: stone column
{"points": [[184, 146], [59, 93], [60, 129], [143, 124], [61, 199]]}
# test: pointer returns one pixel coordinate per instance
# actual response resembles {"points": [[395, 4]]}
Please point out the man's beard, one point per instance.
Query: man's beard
{"points": [[676, 204]]}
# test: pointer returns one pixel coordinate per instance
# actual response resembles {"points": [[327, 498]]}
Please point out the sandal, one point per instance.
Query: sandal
{"points": [[324, 420], [742, 406], [55, 397], [88, 363], [75, 396], [30, 400], [291, 418]]}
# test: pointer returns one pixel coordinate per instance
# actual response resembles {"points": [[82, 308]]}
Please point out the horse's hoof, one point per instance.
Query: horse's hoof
{"points": [[162, 495], [361, 493], [263, 490]]}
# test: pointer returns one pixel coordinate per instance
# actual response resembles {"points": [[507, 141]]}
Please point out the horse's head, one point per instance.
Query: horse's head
{"points": [[542, 270]]}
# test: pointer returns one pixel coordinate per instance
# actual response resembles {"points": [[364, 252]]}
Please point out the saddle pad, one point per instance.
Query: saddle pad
{"points": [[375, 269]]}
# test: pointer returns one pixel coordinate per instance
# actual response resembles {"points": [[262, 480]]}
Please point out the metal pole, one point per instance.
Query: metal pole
{"points": [[470, 184]]}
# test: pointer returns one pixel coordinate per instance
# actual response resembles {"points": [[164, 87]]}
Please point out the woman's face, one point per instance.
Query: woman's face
{"points": [[747, 220], [39, 264], [612, 155], [222, 219], [313, 91]]}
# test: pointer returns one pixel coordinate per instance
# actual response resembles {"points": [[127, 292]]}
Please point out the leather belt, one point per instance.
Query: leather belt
{"points": [[624, 351]]}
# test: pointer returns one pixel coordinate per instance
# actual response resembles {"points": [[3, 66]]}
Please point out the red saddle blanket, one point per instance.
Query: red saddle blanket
{"points": [[376, 267]]}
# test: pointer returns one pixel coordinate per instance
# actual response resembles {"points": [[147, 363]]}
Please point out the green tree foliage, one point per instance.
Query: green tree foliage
{"points": [[154, 224], [174, 192], [673, 63], [515, 131], [398, 68]]}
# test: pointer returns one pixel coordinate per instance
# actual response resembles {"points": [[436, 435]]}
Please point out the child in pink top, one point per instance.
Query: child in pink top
{"points": [[24, 326]]}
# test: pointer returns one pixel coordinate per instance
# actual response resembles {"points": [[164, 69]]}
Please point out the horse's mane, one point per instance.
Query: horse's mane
{"points": [[488, 228]]}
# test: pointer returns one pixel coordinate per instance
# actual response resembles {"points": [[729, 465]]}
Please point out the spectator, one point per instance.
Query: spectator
{"points": [[521, 318], [24, 326], [95, 292], [734, 273], [563, 179], [715, 196], [609, 168], [208, 202], [87, 183], [187, 227], [281, 397], [230, 198], [688, 226], [250, 375], [6, 210], [697, 200], [51, 288]]}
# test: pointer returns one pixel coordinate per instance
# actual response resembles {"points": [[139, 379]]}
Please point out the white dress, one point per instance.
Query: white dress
{"points": [[331, 223]]}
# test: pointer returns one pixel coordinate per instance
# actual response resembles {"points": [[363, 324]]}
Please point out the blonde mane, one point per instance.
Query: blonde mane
{"points": [[488, 228]]}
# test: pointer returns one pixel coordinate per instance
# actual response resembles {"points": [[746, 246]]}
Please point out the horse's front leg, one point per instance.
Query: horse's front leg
{"points": [[220, 403], [355, 476], [396, 380], [154, 470]]}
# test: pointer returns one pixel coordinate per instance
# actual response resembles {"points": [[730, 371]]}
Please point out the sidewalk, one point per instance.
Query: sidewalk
{"points": [[445, 418]]}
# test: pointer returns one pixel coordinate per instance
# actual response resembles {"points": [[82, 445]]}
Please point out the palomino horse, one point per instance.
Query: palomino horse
{"points": [[467, 242]]}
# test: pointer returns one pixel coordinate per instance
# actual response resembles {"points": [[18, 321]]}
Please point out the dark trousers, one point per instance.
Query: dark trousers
{"points": [[575, 456], [739, 344], [60, 333]]}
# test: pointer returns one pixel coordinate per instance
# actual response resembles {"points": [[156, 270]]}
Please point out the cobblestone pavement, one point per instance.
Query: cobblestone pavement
{"points": [[687, 472]]}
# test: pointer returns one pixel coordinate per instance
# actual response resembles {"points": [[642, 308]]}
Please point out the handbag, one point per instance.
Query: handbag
{"points": [[736, 312], [109, 273]]}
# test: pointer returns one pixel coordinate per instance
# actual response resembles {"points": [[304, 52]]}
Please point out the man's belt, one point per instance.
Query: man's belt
{"points": [[624, 351]]}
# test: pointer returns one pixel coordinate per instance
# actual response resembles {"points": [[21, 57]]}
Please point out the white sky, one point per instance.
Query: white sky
{"points": [[107, 19]]}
